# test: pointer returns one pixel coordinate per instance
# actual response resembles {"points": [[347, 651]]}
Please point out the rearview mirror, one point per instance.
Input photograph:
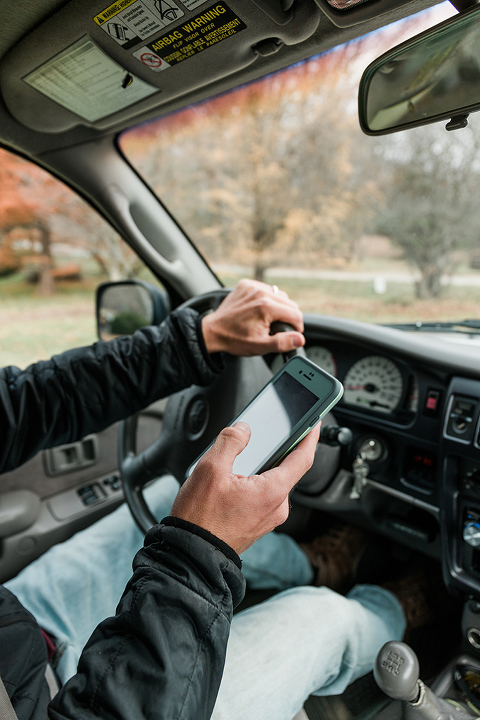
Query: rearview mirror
{"points": [[433, 76], [124, 307]]}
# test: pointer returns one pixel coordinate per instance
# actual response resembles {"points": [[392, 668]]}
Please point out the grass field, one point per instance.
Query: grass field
{"points": [[33, 328]]}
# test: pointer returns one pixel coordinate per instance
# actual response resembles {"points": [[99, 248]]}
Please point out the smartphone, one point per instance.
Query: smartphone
{"points": [[282, 413]]}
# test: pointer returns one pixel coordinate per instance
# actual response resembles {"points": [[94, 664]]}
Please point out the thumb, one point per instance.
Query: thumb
{"points": [[230, 443], [285, 341]]}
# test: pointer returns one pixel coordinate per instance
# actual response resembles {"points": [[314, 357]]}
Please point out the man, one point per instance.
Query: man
{"points": [[162, 653]]}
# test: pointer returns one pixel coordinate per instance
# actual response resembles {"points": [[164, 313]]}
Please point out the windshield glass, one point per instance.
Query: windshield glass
{"points": [[275, 180]]}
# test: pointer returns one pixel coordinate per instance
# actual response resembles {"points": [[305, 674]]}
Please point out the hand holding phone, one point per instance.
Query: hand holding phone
{"points": [[240, 509], [282, 413]]}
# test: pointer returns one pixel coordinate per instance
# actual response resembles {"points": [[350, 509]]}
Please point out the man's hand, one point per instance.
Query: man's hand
{"points": [[241, 324], [238, 509]]}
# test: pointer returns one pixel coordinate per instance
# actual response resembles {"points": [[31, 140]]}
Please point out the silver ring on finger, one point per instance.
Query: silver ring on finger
{"points": [[275, 289]]}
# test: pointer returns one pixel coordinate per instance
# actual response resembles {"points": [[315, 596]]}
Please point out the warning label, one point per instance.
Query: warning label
{"points": [[129, 22], [208, 28], [112, 10], [150, 59]]}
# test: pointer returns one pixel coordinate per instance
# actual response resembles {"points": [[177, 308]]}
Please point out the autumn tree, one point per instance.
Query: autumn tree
{"points": [[266, 170], [37, 207], [431, 209], [28, 197]]}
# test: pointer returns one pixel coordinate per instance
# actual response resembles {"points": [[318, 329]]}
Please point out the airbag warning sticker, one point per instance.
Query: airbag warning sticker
{"points": [[208, 28], [130, 21]]}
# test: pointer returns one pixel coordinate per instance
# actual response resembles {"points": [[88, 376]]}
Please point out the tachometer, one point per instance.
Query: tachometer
{"points": [[323, 358], [374, 382], [317, 354]]}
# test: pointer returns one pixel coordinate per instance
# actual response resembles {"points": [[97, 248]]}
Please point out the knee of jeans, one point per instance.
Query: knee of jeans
{"points": [[325, 606], [350, 619]]}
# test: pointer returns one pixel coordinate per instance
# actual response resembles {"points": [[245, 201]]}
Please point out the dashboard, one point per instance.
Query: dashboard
{"points": [[411, 471]]}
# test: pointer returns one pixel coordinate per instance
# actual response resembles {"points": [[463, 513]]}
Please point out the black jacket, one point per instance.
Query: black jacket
{"points": [[162, 655]]}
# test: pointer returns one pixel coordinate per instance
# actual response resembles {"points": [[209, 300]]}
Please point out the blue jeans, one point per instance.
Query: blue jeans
{"points": [[303, 640]]}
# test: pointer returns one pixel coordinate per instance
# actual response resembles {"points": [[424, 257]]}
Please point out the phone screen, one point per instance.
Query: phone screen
{"points": [[277, 409]]}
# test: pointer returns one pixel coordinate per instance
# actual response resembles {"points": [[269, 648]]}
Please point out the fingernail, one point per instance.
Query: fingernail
{"points": [[297, 341], [243, 426]]}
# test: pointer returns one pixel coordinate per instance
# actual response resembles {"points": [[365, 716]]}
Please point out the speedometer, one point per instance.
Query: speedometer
{"points": [[374, 382]]}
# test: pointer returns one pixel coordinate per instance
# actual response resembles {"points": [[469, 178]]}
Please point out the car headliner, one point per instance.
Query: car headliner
{"points": [[35, 125]]}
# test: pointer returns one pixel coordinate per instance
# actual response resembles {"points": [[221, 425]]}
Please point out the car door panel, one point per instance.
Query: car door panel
{"points": [[39, 507]]}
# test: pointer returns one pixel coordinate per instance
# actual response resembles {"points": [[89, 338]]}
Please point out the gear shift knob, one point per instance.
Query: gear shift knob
{"points": [[397, 671]]}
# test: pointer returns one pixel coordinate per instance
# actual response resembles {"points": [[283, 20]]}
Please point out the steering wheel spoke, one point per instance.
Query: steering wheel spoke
{"points": [[147, 465]]}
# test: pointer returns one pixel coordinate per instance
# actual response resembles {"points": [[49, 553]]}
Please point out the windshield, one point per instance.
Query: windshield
{"points": [[275, 180]]}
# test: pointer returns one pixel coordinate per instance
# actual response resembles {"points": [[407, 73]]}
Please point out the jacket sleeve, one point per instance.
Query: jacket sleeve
{"points": [[85, 390], [162, 656]]}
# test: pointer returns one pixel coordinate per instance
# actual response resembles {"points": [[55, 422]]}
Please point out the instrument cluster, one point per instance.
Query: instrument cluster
{"points": [[372, 382]]}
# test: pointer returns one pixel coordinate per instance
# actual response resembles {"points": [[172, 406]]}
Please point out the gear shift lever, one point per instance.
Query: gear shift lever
{"points": [[397, 671]]}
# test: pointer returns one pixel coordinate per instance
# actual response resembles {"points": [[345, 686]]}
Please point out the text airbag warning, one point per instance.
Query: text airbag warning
{"points": [[213, 25]]}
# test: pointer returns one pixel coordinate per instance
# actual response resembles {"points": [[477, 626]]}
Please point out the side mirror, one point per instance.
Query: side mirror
{"points": [[124, 307]]}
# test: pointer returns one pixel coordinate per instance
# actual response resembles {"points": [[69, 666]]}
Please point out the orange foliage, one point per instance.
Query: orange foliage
{"points": [[28, 193], [29, 197]]}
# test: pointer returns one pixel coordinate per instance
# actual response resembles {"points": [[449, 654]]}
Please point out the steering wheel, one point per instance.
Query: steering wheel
{"points": [[193, 418]]}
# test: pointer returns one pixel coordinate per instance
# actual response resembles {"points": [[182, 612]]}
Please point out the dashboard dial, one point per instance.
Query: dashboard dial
{"points": [[317, 354], [323, 358], [374, 382]]}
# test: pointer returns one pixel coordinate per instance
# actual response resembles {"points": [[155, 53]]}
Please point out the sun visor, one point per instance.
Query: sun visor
{"points": [[100, 64]]}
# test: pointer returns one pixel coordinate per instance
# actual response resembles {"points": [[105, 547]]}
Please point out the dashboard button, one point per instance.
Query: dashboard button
{"points": [[432, 403]]}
